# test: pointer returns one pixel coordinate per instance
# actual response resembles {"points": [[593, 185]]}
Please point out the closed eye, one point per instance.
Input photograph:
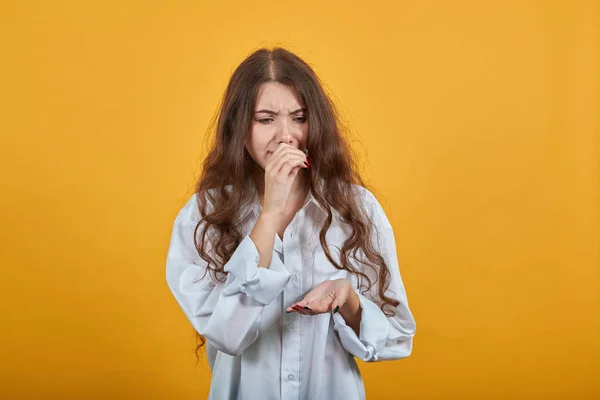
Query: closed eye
{"points": [[267, 120]]}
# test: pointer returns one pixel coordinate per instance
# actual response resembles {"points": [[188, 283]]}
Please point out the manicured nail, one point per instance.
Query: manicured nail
{"points": [[336, 309], [307, 162]]}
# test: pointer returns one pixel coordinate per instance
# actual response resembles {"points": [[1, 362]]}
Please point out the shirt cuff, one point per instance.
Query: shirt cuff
{"points": [[374, 329], [260, 284]]}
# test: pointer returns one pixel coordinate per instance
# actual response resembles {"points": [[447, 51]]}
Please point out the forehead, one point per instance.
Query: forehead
{"points": [[276, 95]]}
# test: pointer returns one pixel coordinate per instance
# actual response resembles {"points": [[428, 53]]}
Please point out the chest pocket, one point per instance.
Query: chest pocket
{"points": [[318, 267]]}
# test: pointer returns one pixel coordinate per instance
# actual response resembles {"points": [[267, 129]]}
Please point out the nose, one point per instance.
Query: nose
{"points": [[283, 133]]}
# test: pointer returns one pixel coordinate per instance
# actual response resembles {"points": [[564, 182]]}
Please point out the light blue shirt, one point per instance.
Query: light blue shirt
{"points": [[255, 349]]}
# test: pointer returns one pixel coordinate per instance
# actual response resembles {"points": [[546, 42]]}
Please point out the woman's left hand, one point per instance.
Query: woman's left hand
{"points": [[328, 296]]}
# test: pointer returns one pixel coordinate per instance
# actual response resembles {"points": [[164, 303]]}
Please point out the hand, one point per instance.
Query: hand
{"points": [[280, 173], [328, 296]]}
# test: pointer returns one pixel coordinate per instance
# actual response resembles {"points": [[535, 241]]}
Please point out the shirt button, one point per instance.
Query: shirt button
{"points": [[293, 278], [290, 377], [291, 327]]}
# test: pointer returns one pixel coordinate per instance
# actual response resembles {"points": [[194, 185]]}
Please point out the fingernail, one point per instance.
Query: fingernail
{"points": [[336, 309], [307, 162]]}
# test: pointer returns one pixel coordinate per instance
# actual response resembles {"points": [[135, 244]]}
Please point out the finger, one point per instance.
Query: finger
{"points": [[293, 308], [288, 163], [334, 307], [321, 305], [301, 310], [310, 297], [293, 172], [280, 148], [283, 166], [286, 148], [306, 309], [283, 152]]}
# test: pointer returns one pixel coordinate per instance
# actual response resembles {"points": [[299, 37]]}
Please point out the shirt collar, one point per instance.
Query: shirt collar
{"points": [[254, 205]]}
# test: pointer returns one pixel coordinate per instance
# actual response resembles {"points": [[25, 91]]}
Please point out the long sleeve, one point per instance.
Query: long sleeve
{"points": [[381, 337], [227, 314]]}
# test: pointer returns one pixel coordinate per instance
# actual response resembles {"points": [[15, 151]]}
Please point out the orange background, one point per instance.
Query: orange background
{"points": [[477, 121]]}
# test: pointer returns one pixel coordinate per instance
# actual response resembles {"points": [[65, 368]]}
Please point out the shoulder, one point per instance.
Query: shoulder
{"points": [[372, 206], [364, 193], [190, 212]]}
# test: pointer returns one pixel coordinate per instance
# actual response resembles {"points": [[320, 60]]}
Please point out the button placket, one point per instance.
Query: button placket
{"points": [[290, 360]]}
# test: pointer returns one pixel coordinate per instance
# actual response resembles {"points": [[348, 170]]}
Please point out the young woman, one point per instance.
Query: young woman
{"points": [[285, 267]]}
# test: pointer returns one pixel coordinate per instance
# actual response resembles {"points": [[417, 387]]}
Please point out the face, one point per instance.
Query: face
{"points": [[280, 117]]}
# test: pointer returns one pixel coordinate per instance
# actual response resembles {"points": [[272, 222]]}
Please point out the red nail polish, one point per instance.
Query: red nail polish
{"points": [[307, 162]]}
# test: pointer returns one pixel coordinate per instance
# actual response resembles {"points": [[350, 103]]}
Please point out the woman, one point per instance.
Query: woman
{"points": [[287, 267]]}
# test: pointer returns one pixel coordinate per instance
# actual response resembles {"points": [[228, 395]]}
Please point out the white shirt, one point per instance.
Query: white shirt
{"points": [[258, 351]]}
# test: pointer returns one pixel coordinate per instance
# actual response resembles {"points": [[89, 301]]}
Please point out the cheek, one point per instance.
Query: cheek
{"points": [[257, 142], [305, 132]]}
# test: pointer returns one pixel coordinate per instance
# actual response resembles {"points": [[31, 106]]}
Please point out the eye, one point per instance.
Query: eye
{"points": [[264, 120], [301, 119]]}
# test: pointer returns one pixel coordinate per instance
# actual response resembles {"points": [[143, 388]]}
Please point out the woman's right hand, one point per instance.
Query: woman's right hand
{"points": [[280, 172]]}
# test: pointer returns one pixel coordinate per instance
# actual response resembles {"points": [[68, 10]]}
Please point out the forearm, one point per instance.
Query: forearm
{"points": [[351, 312], [263, 236]]}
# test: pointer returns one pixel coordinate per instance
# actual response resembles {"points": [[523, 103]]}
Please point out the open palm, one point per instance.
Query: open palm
{"points": [[325, 297]]}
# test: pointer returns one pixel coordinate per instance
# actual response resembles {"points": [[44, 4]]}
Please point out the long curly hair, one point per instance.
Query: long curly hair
{"points": [[228, 163]]}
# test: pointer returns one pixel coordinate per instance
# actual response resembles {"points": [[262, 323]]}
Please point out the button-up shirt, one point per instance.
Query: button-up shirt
{"points": [[254, 348]]}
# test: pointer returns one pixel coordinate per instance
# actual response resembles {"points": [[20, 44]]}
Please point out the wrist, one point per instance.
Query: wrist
{"points": [[351, 311], [352, 304], [270, 217]]}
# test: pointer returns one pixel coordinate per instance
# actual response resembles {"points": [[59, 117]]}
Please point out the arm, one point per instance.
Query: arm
{"points": [[364, 330], [227, 314], [263, 235], [351, 311]]}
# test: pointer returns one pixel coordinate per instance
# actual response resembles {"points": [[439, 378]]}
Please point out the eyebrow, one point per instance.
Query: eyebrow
{"points": [[276, 113]]}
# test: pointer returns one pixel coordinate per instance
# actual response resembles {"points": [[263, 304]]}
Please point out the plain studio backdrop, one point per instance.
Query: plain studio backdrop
{"points": [[476, 121]]}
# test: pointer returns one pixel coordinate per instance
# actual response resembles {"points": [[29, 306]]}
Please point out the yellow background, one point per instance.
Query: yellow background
{"points": [[477, 122]]}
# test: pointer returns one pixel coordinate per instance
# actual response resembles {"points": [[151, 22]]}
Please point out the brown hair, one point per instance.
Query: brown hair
{"points": [[229, 163]]}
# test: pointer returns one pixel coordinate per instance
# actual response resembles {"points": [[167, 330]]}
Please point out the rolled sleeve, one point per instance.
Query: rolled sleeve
{"points": [[374, 329], [260, 284], [227, 314], [381, 337]]}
